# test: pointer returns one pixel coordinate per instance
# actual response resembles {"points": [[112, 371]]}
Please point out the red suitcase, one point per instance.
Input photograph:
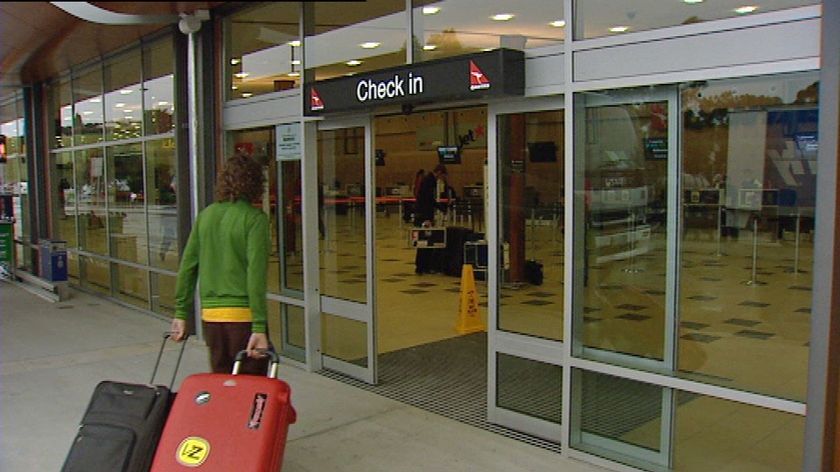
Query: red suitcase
{"points": [[227, 422]]}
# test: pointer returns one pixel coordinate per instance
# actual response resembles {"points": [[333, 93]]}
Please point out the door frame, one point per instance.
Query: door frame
{"points": [[356, 311], [502, 342]]}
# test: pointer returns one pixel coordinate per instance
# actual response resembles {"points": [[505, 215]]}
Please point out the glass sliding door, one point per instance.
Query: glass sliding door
{"points": [[345, 246], [624, 235], [525, 331]]}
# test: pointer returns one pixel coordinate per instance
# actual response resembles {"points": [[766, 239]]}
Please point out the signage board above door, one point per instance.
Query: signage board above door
{"points": [[497, 73]]}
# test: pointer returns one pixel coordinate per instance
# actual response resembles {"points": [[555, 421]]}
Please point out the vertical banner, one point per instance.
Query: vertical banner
{"points": [[6, 244]]}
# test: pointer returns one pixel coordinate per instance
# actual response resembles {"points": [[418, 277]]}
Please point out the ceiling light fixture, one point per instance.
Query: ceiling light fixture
{"points": [[558, 23], [619, 29], [431, 10], [745, 9], [502, 17], [235, 61], [429, 47], [354, 63], [370, 45], [692, 2]]}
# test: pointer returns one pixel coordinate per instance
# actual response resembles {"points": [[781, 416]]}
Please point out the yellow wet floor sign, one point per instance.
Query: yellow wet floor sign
{"points": [[469, 318]]}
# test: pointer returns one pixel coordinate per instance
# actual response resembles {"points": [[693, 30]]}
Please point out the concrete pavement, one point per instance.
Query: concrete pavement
{"points": [[54, 353]]}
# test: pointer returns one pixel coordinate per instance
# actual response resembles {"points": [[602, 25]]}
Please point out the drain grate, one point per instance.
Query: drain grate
{"points": [[448, 378]]}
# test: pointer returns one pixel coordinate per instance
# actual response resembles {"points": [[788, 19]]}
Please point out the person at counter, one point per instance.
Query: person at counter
{"points": [[424, 212]]}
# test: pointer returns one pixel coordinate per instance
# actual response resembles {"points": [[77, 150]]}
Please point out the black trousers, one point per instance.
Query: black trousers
{"points": [[224, 340]]}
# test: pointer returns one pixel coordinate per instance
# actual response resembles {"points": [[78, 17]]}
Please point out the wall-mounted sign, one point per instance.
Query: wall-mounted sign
{"points": [[288, 141], [496, 73]]}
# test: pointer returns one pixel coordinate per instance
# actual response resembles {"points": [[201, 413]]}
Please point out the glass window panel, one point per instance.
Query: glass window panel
{"points": [[345, 339], [126, 215], [91, 201], [715, 434], [343, 247], [163, 293], [452, 27], [88, 120], [132, 285], [65, 227], [531, 223], [159, 88], [95, 274], [61, 127], [530, 387], [749, 185], [123, 97], [617, 409], [624, 263], [596, 18], [262, 53], [619, 416], [159, 196], [286, 327], [290, 270], [337, 33]]}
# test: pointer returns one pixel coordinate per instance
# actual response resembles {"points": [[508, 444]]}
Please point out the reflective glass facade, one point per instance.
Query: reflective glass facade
{"points": [[642, 230]]}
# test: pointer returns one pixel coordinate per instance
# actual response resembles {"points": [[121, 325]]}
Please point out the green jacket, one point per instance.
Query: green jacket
{"points": [[227, 254]]}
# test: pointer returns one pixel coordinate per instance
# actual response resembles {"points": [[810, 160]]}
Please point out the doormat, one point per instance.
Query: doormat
{"points": [[447, 377]]}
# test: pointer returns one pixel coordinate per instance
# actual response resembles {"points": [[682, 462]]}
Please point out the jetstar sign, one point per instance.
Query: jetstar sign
{"points": [[496, 73]]}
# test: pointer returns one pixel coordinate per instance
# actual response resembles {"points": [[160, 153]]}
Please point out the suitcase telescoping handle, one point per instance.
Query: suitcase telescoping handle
{"points": [[166, 335], [273, 364]]}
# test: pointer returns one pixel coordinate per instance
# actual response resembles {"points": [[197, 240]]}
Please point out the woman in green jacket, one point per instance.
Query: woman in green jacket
{"points": [[227, 254]]}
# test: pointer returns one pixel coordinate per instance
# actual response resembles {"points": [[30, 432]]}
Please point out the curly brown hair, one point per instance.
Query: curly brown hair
{"points": [[241, 178]]}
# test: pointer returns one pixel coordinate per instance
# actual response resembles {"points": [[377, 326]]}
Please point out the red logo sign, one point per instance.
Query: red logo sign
{"points": [[315, 102], [478, 81]]}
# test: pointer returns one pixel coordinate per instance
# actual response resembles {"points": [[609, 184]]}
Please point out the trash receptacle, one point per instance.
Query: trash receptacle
{"points": [[54, 260]]}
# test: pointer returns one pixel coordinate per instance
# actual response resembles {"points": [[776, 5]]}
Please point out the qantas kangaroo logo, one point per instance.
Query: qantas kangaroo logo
{"points": [[478, 81], [315, 102]]}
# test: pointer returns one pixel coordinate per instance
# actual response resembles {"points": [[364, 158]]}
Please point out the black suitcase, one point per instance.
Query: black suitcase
{"points": [[122, 424], [533, 272]]}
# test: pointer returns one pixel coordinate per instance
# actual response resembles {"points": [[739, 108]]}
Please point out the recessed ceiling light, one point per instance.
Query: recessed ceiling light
{"points": [[746, 9], [429, 47], [247, 94], [293, 74], [692, 1], [558, 23], [354, 63], [295, 62], [502, 17], [241, 75], [370, 45], [126, 91], [235, 60], [294, 44], [431, 10], [619, 29]]}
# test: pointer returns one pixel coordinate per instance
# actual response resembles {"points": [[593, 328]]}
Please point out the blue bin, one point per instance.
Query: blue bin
{"points": [[54, 260]]}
